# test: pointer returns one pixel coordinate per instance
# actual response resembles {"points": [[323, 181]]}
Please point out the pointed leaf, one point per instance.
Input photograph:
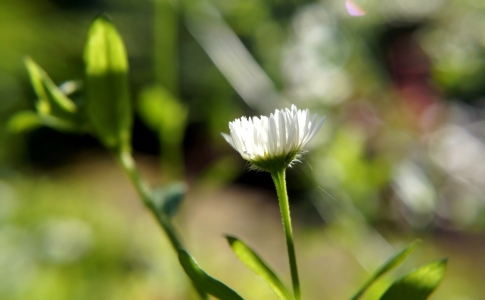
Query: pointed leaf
{"points": [[107, 98], [52, 100], [203, 281], [57, 97], [167, 199], [417, 285], [258, 266], [389, 265]]}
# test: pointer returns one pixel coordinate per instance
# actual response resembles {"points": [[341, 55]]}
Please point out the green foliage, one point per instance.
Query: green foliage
{"points": [[167, 199], [258, 266], [54, 108], [203, 281], [24, 121], [107, 98], [417, 285], [389, 265]]}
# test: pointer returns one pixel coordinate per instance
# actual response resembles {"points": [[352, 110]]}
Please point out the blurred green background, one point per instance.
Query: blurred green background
{"points": [[401, 155]]}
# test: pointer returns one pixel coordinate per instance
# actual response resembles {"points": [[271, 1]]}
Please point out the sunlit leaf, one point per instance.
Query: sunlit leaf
{"points": [[36, 73], [107, 103], [52, 100], [417, 285], [24, 121], [203, 281], [389, 265], [258, 266], [167, 199]]}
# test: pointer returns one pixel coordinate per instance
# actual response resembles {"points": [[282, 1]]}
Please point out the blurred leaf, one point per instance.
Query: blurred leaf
{"points": [[36, 74], [56, 96], [203, 281], [24, 121], [163, 113], [258, 266], [52, 100], [167, 199], [60, 124], [417, 285], [389, 265], [28, 120], [108, 104]]}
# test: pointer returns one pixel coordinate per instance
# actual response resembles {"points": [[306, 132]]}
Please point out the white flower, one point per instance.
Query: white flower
{"points": [[275, 142]]}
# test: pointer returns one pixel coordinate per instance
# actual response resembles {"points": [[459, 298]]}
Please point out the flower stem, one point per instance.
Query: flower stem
{"points": [[280, 184]]}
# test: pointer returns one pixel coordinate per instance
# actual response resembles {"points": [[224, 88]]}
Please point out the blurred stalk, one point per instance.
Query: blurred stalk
{"points": [[127, 163], [165, 40], [166, 74]]}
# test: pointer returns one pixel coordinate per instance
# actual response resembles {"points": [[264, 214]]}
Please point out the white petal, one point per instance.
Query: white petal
{"points": [[285, 131], [228, 139]]}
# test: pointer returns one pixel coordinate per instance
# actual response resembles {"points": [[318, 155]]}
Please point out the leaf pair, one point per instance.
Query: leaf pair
{"points": [[54, 108], [212, 286], [417, 285], [107, 101]]}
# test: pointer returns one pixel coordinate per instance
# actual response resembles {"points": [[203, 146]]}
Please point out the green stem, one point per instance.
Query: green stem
{"points": [[128, 165], [280, 184]]}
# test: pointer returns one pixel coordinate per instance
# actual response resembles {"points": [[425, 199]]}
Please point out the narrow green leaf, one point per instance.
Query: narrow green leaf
{"points": [[36, 73], [417, 285], [52, 100], [389, 265], [167, 199], [258, 266], [107, 98], [203, 281], [57, 97], [24, 121], [60, 124]]}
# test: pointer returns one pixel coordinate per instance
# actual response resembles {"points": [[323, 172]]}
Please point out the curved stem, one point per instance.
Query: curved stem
{"points": [[128, 165], [280, 184]]}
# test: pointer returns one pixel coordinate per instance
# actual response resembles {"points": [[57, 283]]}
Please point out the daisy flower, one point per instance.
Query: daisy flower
{"points": [[273, 143]]}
